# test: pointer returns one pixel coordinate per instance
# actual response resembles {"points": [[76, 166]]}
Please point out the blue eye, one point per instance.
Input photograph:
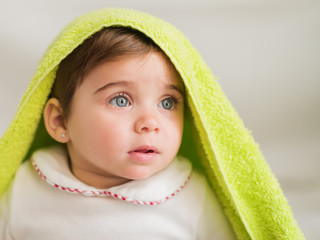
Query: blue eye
{"points": [[167, 104], [120, 101]]}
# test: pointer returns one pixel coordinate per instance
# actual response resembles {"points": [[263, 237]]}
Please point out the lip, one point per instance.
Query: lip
{"points": [[145, 153]]}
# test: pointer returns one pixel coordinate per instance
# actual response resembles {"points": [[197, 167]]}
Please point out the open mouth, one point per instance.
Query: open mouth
{"points": [[145, 150], [144, 154]]}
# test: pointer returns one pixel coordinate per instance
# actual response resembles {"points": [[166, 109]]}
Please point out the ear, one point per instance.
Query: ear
{"points": [[54, 121]]}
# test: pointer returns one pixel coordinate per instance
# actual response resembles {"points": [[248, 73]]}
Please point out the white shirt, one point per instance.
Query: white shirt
{"points": [[46, 201]]}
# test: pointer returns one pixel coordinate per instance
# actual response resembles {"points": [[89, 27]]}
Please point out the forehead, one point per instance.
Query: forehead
{"points": [[169, 70], [153, 67]]}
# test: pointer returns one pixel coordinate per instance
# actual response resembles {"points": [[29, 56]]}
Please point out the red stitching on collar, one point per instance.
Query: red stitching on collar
{"points": [[108, 193]]}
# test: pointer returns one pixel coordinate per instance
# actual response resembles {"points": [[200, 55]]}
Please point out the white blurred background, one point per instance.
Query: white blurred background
{"points": [[266, 54]]}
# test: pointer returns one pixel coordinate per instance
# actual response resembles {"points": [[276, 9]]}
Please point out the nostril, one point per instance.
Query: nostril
{"points": [[145, 129]]}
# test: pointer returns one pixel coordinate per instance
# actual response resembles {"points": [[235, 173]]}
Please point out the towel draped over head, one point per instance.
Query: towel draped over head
{"points": [[214, 135]]}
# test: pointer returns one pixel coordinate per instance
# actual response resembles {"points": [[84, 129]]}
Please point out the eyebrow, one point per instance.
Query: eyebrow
{"points": [[174, 87], [112, 84], [126, 83]]}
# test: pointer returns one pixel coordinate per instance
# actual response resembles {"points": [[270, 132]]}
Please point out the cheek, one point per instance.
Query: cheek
{"points": [[110, 132], [179, 123], [99, 131], [174, 133]]}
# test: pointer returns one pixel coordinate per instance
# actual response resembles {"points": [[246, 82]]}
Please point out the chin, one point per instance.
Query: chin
{"points": [[139, 175]]}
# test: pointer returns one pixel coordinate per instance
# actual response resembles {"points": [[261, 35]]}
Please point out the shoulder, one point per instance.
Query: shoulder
{"points": [[198, 183], [212, 223], [192, 197], [12, 197], [24, 172], [24, 183], [25, 175], [200, 199]]}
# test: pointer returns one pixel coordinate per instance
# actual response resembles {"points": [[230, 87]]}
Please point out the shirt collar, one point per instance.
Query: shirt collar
{"points": [[52, 165]]}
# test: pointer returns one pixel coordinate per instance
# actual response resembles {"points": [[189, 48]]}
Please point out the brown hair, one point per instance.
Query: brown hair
{"points": [[108, 44]]}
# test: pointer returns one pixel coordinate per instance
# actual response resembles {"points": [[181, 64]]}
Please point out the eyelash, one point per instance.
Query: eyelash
{"points": [[121, 94], [176, 100]]}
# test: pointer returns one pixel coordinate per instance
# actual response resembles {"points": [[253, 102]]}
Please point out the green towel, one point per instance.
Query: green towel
{"points": [[214, 134]]}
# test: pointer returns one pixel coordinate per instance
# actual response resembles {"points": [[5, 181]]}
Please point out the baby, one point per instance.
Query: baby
{"points": [[133, 125], [121, 113], [117, 105]]}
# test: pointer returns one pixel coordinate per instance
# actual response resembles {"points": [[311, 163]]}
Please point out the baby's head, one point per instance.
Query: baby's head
{"points": [[118, 104]]}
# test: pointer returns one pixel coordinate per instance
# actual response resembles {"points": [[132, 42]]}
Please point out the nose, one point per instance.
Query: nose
{"points": [[146, 124]]}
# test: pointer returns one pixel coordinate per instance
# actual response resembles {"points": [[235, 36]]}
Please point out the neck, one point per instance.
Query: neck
{"points": [[94, 179]]}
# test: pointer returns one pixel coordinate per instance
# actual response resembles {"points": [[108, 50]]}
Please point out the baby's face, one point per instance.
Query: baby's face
{"points": [[126, 120]]}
